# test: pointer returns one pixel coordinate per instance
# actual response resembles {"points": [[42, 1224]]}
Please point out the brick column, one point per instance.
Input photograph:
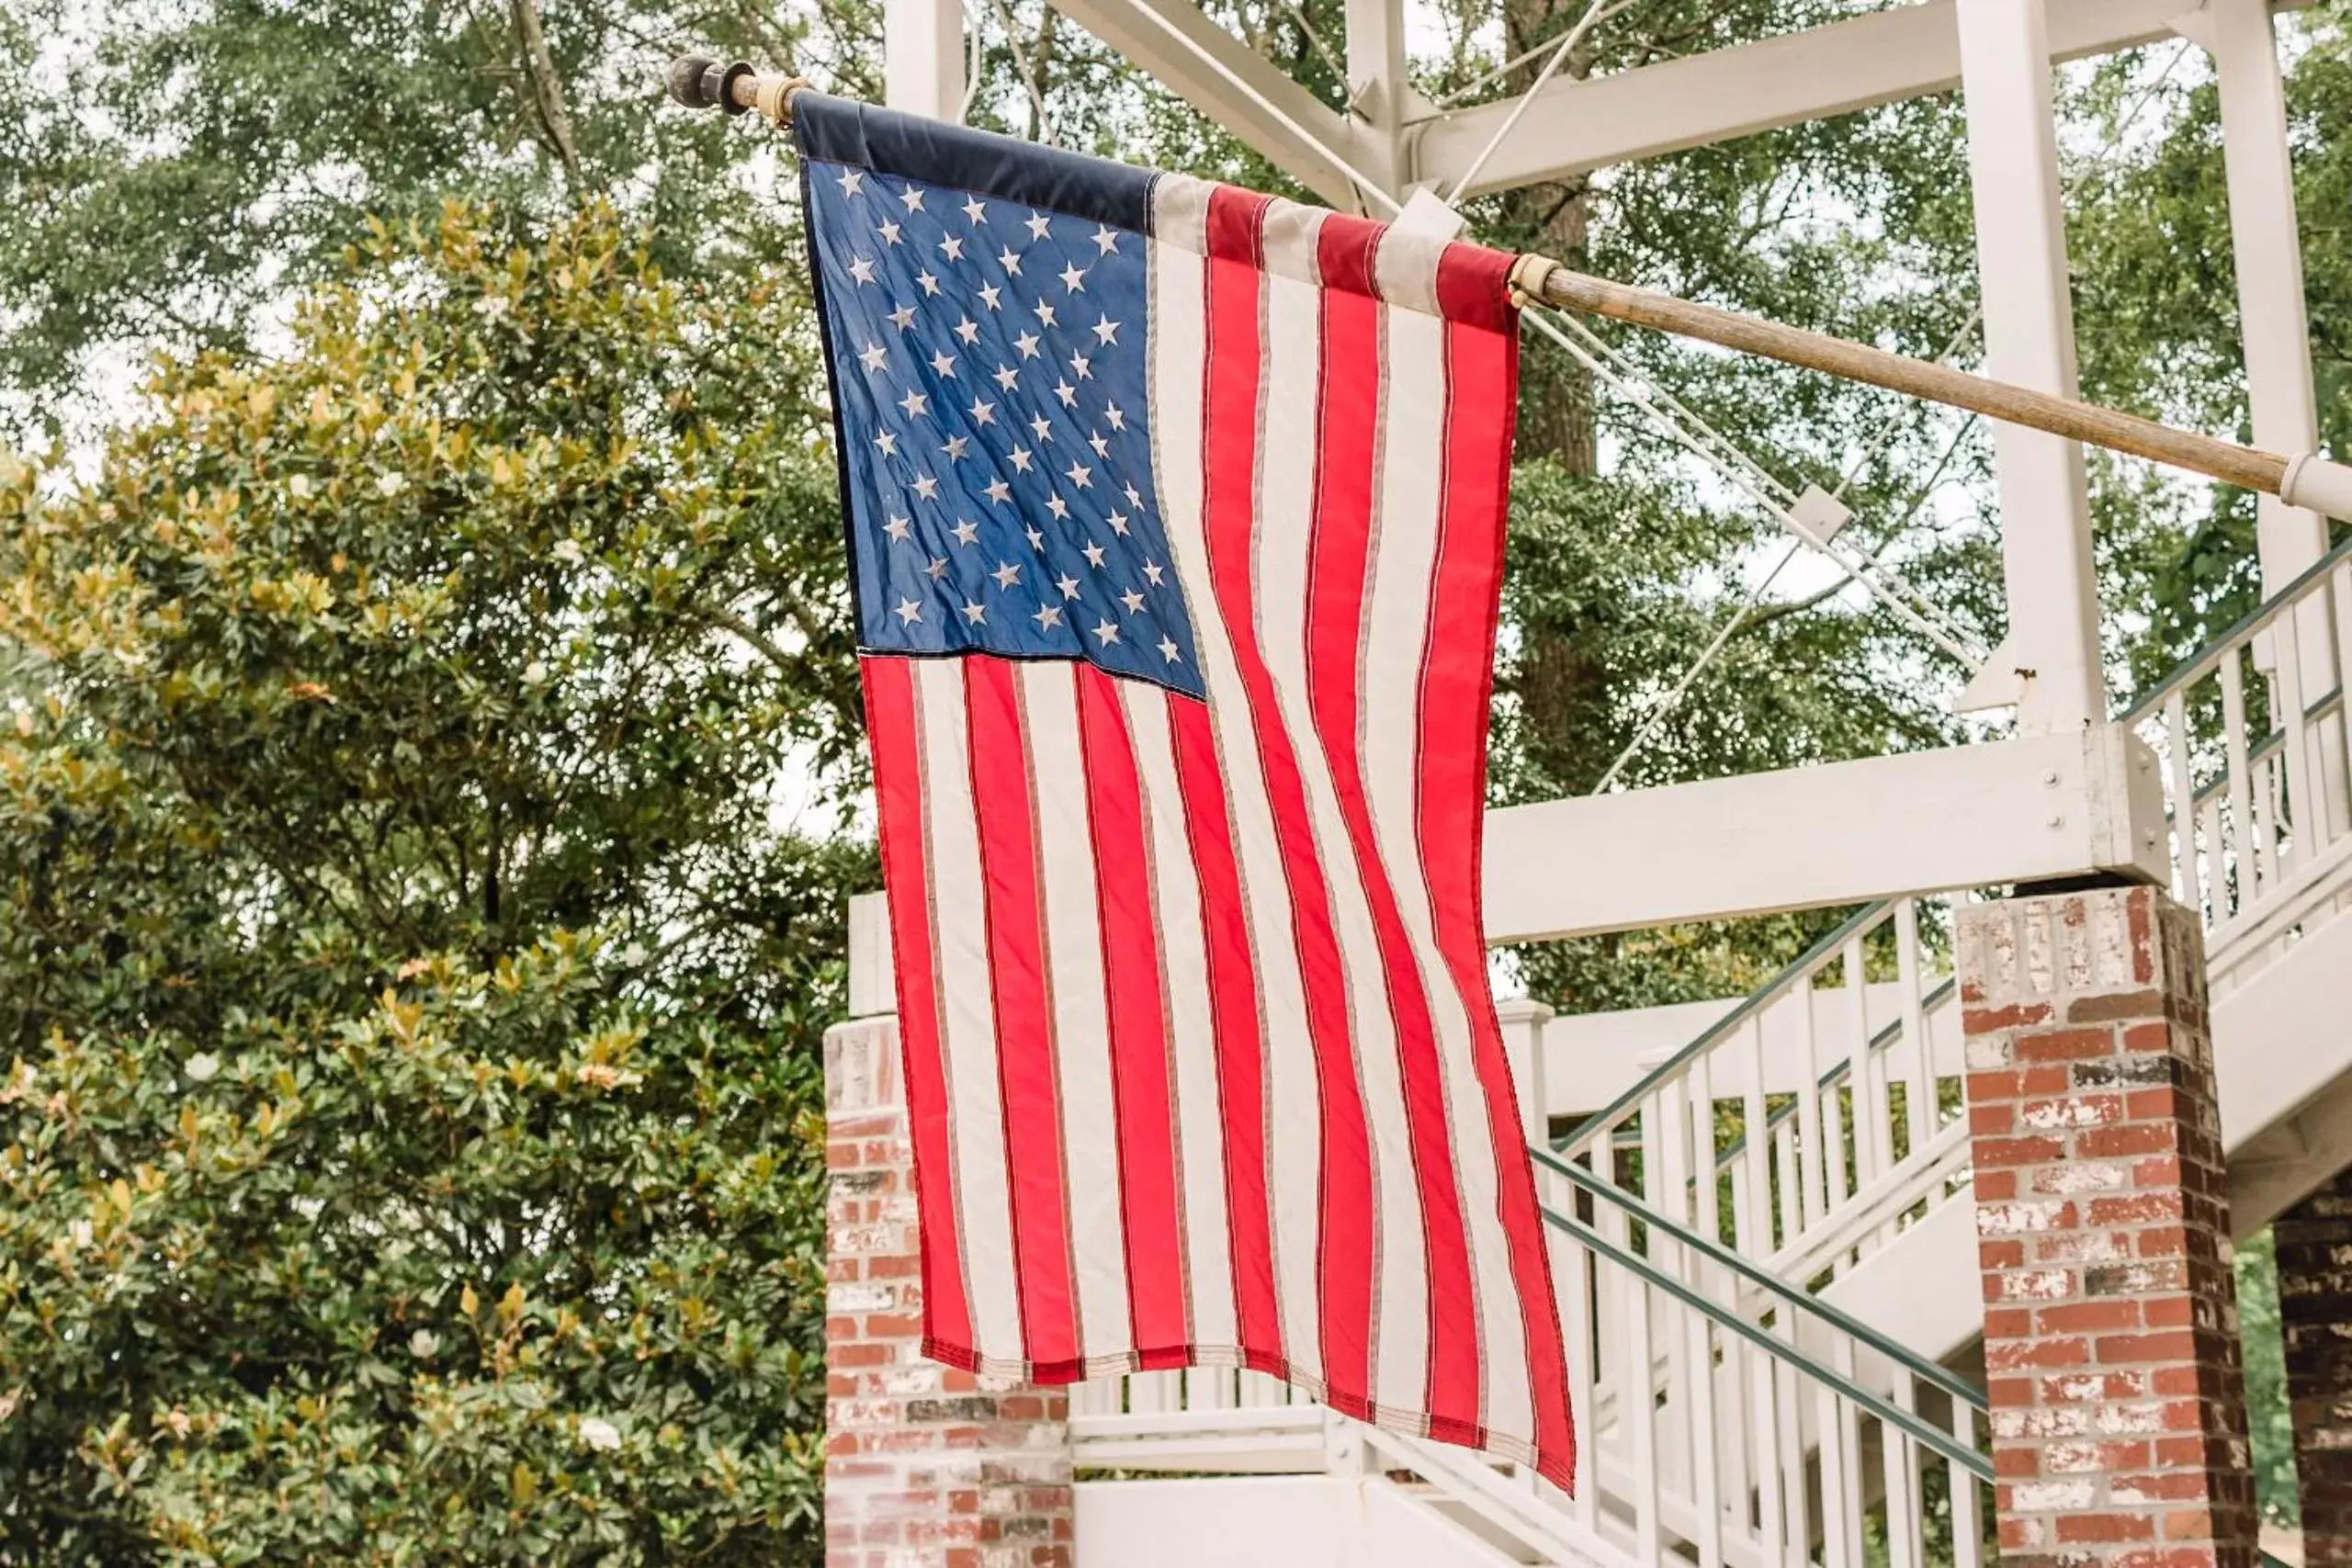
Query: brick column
{"points": [[925, 1466], [2314, 1240], [2111, 1313]]}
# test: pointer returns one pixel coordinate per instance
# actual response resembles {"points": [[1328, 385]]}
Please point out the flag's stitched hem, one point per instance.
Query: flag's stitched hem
{"points": [[1559, 1470]]}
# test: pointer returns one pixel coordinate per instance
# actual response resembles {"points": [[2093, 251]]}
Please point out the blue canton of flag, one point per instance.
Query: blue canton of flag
{"points": [[989, 364]]}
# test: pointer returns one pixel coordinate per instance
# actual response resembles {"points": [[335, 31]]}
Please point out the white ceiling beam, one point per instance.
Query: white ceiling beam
{"points": [[1575, 126], [2003, 811], [1240, 89]]}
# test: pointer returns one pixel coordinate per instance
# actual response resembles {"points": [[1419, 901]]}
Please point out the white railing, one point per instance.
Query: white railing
{"points": [[2257, 766], [1816, 1120], [1708, 1437], [1851, 1059]]}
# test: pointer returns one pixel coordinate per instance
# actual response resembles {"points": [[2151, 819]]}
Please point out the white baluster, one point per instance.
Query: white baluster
{"points": [[2188, 866], [1967, 1498], [1918, 1055], [1899, 1456], [1637, 1417], [2252, 862]]}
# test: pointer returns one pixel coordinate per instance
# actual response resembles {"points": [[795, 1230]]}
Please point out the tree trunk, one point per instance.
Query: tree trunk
{"points": [[1562, 683]]}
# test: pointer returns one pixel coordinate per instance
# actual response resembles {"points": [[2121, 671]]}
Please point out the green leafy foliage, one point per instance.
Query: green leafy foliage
{"points": [[409, 1142]]}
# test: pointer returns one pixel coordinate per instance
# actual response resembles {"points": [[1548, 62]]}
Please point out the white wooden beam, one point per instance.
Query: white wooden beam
{"points": [[2052, 649], [2266, 251], [1840, 833], [1880, 58], [1240, 89], [923, 57], [1375, 59]]}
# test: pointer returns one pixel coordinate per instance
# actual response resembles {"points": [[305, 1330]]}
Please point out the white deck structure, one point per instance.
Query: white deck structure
{"points": [[1762, 1341]]}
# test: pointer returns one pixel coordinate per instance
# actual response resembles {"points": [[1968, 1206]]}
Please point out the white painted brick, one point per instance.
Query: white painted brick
{"points": [[2130, 1420], [849, 1299], [2082, 1177], [2049, 1496]]}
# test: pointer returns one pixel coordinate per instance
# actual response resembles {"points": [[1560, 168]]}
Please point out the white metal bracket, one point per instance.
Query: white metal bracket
{"points": [[1822, 513], [1425, 212], [1999, 683]]}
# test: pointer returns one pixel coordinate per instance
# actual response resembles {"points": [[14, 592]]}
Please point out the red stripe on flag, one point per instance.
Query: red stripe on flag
{"points": [[1473, 288], [1003, 799], [1241, 1052], [1234, 376], [891, 723], [1457, 686], [1345, 474], [1140, 1067]]}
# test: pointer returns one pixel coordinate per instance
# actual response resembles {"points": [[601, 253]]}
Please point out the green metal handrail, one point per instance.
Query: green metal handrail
{"points": [[1943, 1442], [1803, 1300]]}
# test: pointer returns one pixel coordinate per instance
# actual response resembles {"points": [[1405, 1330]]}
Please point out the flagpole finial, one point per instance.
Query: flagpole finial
{"points": [[731, 87]]}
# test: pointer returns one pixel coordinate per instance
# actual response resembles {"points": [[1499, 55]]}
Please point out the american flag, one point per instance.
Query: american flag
{"points": [[1175, 518]]}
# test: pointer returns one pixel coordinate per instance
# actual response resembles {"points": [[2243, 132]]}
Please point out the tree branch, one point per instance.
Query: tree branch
{"points": [[757, 640], [545, 87]]}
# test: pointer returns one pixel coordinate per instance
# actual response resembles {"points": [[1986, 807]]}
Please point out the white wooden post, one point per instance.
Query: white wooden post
{"points": [[923, 57], [2266, 251], [873, 984], [2269, 257], [1524, 1019], [2030, 340]]}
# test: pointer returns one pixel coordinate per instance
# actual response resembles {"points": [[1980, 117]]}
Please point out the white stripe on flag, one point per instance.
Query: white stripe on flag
{"points": [[1073, 938], [1294, 1110], [1411, 484], [1184, 978], [959, 923], [1288, 458]]}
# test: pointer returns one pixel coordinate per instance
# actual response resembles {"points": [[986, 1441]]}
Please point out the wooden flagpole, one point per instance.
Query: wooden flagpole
{"points": [[2304, 480], [2300, 479]]}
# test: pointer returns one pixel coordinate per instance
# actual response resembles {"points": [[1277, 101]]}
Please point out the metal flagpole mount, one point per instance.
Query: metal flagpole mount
{"points": [[733, 86]]}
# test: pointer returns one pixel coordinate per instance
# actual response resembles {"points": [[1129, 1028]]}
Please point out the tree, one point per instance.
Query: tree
{"points": [[409, 1139]]}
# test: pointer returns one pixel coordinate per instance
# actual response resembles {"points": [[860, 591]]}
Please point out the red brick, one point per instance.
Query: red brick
{"points": [[2134, 1138], [2118, 1526], [2001, 1152], [1992, 1021], [2064, 1044], [2017, 1354], [2085, 1317], [2112, 1005], [2169, 1345], [2139, 1209]]}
